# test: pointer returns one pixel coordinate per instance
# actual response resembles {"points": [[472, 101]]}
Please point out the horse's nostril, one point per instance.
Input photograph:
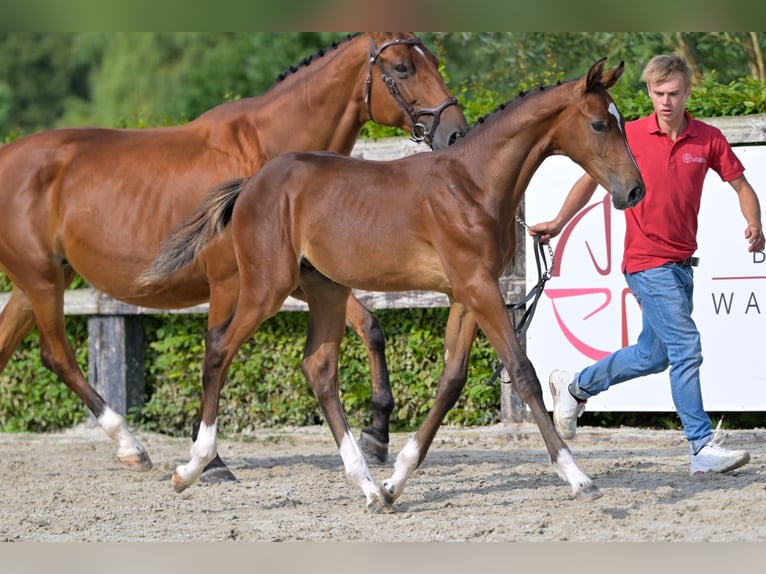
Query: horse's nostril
{"points": [[634, 196]]}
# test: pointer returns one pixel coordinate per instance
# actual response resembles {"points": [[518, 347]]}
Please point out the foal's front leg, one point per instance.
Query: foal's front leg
{"points": [[461, 330], [494, 322]]}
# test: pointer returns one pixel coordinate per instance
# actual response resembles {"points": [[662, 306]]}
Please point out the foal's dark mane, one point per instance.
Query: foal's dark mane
{"points": [[318, 54], [511, 103]]}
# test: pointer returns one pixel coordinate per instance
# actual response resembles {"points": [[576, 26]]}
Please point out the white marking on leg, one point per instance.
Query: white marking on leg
{"points": [[203, 450], [565, 467], [357, 469], [406, 463], [116, 428]]}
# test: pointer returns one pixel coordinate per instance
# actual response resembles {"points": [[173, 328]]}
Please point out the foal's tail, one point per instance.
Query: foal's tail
{"points": [[191, 237]]}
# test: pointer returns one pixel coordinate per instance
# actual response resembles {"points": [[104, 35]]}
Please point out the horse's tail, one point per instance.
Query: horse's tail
{"points": [[191, 237]]}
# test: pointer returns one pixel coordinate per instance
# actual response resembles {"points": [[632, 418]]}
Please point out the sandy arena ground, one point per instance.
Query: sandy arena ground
{"points": [[477, 484]]}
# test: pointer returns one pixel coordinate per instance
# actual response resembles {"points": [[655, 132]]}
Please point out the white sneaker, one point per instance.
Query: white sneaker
{"points": [[714, 458], [566, 409]]}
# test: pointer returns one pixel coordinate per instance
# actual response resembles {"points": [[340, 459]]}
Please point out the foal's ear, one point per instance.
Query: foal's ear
{"points": [[610, 77], [596, 75], [593, 77]]}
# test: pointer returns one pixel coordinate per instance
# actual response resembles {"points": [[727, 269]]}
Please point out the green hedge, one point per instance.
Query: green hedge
{"points": [[265, 386]]}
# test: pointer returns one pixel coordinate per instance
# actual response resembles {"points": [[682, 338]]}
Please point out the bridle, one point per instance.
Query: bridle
{"points": [[419, 132]]}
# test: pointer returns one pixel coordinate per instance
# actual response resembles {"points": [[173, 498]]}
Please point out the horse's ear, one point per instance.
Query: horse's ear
{"points": [[594, 75], [610, 77]]}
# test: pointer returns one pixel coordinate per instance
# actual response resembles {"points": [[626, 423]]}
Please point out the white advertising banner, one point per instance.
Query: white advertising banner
{"points": [[587, 311]]}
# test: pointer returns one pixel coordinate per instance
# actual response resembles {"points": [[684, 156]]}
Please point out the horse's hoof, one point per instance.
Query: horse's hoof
{"points": [[376, 451], [178, 483], [137, 462], [217, 475], [376, 504], [588, 492]]}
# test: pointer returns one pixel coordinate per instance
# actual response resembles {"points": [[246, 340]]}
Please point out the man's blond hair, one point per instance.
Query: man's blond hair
{"points": [[661, 67]]}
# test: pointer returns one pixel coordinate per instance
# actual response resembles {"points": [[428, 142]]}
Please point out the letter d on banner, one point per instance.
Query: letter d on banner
{"points": [[759, 256]]}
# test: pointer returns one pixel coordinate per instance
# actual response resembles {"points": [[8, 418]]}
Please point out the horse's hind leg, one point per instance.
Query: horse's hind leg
{"points": [[374, 438], [327, 308], [16, 322], [47, 300]]}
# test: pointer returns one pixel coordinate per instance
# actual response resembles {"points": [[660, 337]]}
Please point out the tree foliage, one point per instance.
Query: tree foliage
{"points": [[156, 78]]}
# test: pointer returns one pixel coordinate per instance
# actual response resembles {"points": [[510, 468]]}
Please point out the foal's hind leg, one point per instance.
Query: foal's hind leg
{"points": [[374, 438], [327, 307], [223, 299], [254, 306]]}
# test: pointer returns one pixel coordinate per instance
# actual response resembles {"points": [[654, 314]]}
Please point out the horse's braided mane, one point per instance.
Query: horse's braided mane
{"points": [[319, 53], [521, 94]]}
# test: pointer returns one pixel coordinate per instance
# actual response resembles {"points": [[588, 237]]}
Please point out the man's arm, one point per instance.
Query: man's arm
{"points": [[576, 199], [751, 210]]}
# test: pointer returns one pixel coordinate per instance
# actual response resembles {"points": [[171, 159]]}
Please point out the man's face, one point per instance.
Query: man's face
{"points": [[669, 97]]}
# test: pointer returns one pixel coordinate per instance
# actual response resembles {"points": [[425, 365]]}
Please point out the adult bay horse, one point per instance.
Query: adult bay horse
{"points": [[99, 202], [442, 221]]}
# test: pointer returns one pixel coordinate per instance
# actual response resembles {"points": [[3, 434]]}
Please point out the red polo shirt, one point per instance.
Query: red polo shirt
{"points": [[663, 227]]}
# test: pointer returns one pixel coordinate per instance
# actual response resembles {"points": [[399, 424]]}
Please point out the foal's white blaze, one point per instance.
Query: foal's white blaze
{"points": [[117, 429], [357, 469], [406, 463], [203, 450], [565, 467], [616, 113]]}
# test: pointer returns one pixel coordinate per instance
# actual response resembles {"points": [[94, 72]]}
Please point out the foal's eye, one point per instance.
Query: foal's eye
{"points": [[599, 127]]}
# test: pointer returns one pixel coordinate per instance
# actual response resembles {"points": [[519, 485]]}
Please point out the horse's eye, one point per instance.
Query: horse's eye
{"points": [[599, 127], [401, 69]]}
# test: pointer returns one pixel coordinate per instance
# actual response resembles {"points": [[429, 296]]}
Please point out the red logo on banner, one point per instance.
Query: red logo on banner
{"points": [[602, 268]]}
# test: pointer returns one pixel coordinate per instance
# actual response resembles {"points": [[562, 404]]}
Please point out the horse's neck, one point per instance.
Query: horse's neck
{"points": [[318, 107]]}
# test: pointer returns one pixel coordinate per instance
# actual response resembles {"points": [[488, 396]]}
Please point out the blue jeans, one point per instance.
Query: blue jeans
{"points": [[669, 337]]}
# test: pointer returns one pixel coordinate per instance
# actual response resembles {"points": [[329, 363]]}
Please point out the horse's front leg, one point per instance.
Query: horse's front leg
{"points": [[327, 309], [374, 438], [461, 330], [489, 310]]}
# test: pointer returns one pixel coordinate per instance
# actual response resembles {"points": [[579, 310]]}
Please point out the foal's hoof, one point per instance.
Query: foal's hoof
{"points": [[217, 475], [178, 483], [377, 504], [588, 492], [137, 462], [376, 451]]}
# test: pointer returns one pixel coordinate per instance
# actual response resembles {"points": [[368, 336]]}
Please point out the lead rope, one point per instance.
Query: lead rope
{"points": [[544, 273]]}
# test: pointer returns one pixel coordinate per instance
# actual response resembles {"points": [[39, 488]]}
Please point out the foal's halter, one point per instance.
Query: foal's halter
{"points": [[419, 132]]}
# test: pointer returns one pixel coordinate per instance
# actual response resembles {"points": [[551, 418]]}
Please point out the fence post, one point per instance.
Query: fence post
{"points": [[116, 360]]}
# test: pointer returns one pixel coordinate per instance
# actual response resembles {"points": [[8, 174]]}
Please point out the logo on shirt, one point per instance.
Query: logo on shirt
{"points": [[689, 158]]}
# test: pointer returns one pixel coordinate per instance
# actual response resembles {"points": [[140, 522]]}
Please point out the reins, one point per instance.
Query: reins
{"points": [[419, 132], [544, 273]]}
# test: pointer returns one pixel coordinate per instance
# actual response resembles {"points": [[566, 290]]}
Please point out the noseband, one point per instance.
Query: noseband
{"points": [[419, 132]]}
